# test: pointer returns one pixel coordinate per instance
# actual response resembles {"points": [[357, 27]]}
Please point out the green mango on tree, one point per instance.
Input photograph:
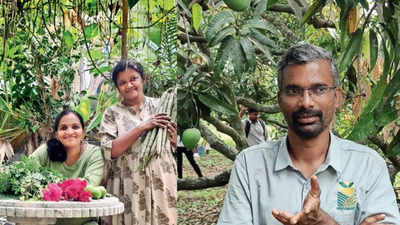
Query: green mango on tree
{"points": [[238, 5], [190, 138]]}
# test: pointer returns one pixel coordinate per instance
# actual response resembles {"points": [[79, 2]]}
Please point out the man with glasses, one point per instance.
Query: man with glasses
{"points": [[310, 176]]}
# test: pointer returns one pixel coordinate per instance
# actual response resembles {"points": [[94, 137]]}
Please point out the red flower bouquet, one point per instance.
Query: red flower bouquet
{"points": [[69, 190]]}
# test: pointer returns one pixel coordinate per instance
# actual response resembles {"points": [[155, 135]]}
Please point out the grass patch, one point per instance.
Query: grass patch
{"points": [[202, 207]]}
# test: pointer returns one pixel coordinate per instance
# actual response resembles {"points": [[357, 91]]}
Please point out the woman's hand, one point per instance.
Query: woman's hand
{"points": [[172, 134], [158, 120]]}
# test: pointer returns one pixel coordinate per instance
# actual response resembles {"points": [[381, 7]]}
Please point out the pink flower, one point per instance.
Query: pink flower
{"points": [[53, 193], [84, 196], [70, 190]]}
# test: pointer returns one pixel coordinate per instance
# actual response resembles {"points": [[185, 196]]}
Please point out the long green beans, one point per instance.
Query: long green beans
{"points": [[156, 141]]}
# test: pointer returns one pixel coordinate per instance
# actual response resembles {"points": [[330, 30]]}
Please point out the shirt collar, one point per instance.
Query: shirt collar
{"points": [[333, 158], [282, 158]]}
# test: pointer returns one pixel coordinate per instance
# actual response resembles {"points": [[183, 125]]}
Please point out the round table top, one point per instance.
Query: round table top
{"points": [[62, 209]]}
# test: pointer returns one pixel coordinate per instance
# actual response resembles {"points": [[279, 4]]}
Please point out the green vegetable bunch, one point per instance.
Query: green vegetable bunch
{"points": [[26, 178]]}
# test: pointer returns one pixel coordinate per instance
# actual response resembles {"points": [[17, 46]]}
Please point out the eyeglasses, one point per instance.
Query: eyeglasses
{"points": [[313, 91]]}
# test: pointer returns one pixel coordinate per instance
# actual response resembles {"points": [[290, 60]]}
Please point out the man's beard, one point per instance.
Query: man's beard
{"points": [[307, 130]]}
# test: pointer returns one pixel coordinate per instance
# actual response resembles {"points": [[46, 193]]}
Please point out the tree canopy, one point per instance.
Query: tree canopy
{"points": [[228, 58]]}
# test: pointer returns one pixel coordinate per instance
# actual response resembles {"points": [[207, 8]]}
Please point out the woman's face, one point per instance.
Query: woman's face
{"points": [[70, 131], [130, 84]]}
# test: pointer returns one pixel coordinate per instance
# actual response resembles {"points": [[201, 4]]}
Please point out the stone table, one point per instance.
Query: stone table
{"points": [[43, 213]]}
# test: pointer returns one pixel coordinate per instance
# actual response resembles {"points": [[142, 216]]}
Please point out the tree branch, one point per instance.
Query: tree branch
{"points": [[222, 127], [217, 144], [277, 123], [204, 182], [316, 22], [259, 107], [192, 38]]}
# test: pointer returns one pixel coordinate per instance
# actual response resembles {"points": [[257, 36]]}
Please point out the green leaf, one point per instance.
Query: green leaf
{"points": [[394, 147], [218, 22], [96, 54], [345, 7], [132, 3], [249, 51], [189, 74], [271, 2], [352, 49], [297, 9], [261, 24], [262, 48], [188, 112], [3, 105], [100, 70], [373, 49], [197, 15], [386, 111], [216, 104], [386, 62], [94, 122], [228, 31], [351, 75], [5, 120], [364, 4], [388, 13], [379, 110], [364, 128], [69, 41], [91, 31], [260, 8], [224, 51], [238, 58], [262, 39], [84, 108], [312, 10]]}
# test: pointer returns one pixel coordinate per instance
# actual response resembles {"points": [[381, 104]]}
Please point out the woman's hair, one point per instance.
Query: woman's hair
{"points": [[55, 149], [124, 65]]}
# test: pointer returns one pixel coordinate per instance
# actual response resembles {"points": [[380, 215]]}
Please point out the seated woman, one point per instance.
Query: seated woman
{"points": [[73, 158]]}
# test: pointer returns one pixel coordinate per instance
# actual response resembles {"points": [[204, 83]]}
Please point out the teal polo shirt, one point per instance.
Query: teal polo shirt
{"points": [[354, 182]]}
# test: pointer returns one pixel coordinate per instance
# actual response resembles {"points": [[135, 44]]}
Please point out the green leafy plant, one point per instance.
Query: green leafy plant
{"points": [[26, 178]]}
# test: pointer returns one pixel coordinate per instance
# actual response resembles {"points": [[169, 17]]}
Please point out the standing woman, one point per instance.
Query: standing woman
{"points": [[71, 156], [149, 194]]}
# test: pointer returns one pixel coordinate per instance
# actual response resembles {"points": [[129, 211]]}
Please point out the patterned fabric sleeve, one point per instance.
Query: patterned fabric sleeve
{"points": [[108, 132]]}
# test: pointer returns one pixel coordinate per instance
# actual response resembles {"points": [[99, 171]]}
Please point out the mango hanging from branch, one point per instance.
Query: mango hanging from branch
{"points": [[238, 5]]}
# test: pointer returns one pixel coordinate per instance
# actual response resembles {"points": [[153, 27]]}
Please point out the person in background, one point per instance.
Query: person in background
{"points": [[71, 156], [149, 194], [254, 127], [189, 155], [309, 176]]}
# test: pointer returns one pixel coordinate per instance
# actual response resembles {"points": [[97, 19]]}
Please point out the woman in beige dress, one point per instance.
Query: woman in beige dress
{"points": [[149, 195]]}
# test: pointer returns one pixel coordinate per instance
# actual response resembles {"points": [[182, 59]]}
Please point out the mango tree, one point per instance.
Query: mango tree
{"points": [[228, 59]]}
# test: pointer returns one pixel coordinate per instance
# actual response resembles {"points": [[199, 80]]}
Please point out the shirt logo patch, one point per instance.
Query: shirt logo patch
{"points": [[346, 196]]}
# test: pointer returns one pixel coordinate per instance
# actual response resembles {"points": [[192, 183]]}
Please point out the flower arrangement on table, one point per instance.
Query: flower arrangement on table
{"points": [[27, 180], [69, 190]]}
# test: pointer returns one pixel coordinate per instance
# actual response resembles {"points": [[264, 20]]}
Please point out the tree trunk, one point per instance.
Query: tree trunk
{"points": [[124, 30], [204, 182]]}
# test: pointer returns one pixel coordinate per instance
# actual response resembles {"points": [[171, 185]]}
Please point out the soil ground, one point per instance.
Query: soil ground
{"points": [[202, 207]]}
